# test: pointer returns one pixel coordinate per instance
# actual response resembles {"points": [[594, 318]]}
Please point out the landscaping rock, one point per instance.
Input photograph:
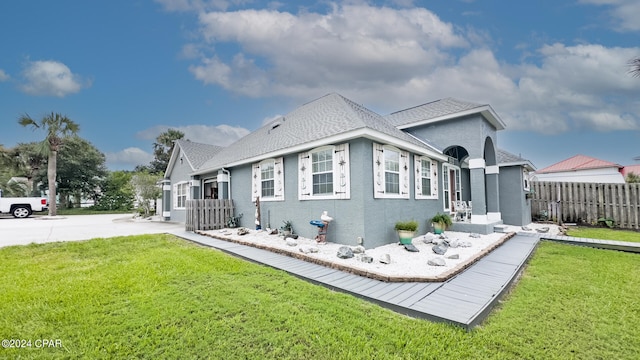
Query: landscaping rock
{"points": [[243, 231], [437, 241], [365, 258], [438, 261], [291, 242], [453, 256], [358, 249], [345, 252], [465, 244], [440, 249], [309, 249], [474, 235], [385, 259], [411, 248], [454, 243]]}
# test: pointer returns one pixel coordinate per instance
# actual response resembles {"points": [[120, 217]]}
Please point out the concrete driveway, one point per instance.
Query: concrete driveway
{"points": [[38, 229]]}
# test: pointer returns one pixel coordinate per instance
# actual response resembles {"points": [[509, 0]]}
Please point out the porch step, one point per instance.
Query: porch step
{"points": [[500, 228]]}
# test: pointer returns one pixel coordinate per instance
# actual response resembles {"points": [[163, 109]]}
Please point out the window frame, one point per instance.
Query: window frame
{"points": [[380, 172], [278, 180], [181, 189], [340, 170], [433, 177]]}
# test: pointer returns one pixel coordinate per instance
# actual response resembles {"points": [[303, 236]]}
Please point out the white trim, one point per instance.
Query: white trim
{"points": [[379, 172], [166, 214], [479, 219], [476, 164], [433, 176], [166, 187], [494, 216], [492, 169], [175, 194], [340, 173], [340, 138], [194, 183], [278, 180]]}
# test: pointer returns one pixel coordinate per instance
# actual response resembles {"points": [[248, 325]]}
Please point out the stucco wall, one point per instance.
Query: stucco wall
{"points": [[515, 208], [180, 172], [360, 216]]}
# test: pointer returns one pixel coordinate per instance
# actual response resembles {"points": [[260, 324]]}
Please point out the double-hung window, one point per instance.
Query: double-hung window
{"points": [[324, 173], [180, 195], [267, 180], [390, 172], [426, 180]]}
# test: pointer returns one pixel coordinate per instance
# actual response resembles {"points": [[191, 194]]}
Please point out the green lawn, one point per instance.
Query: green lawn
{"points": [[604, 234], [157, 297], [90, 211]]}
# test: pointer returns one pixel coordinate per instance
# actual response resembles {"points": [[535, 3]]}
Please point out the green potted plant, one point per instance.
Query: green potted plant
{"points": [[287, 228], [440, 222], [406, 230]]}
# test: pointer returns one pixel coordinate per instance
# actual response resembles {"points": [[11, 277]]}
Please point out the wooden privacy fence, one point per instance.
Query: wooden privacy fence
{"points": [[587, 202], [208, 214]]}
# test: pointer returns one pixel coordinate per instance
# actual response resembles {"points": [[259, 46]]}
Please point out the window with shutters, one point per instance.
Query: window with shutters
{"points": [[426, 180], [267, 180], [324, 173], [390, 172]]}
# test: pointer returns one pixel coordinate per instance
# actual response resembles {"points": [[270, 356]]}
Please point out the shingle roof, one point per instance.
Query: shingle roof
{"points": [[578, 162], [441, 110], [197, 153], [506, 158], [322, 118]]}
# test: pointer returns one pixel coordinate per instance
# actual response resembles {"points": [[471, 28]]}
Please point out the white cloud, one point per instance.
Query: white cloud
{"points": [[50, 78], [389, 59], [3, 76], [221, 135], [624, 13], [129, 158]]}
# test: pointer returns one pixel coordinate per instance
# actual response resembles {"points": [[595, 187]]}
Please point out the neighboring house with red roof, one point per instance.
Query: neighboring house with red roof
{"points": [[630, 169], [581, 168]]}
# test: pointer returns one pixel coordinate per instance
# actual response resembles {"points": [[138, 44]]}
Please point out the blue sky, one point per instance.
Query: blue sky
{"points": [[126, 70]]}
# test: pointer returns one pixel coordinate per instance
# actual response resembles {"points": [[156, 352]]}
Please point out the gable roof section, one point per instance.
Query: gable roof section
{"points": [[441, 110], [578, 162], [329, 119], [506, 158], [195, 153]]}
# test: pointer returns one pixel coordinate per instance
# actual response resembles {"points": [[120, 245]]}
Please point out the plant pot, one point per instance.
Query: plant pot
{"points": [[406, 236], [437, 228]]}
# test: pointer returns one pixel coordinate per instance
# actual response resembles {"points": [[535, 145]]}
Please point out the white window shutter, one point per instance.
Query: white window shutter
{"points": [[256, 183], [305, 181], [434, 179], [175, 195], [341, 178], [378, 171], [404, 175], [278, 179], [417, 180]]}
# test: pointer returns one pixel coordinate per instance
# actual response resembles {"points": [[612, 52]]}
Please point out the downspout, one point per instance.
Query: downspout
{"points": [[228, 180]]}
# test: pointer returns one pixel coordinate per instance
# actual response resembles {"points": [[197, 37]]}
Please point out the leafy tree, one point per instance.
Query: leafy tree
{"points": [[632, 178], [28, 161], [147, 190], [81, 170], [634, 65], [162, 150], [58, 128], [116, 192]]}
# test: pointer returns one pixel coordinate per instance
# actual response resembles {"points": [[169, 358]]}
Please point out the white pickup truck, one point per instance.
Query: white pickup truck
{"points": [[22, 207]]}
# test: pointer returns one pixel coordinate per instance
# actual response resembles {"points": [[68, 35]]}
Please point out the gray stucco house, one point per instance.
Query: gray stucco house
{"points": [[368, 171]]}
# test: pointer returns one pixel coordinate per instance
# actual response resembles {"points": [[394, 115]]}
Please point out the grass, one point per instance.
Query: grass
{"points": [[604, 234], [159, 297]]}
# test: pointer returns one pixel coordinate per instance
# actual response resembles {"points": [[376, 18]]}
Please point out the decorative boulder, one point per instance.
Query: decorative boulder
{"points": [[309, 249], [365, 258], [385, 259], [411, 248], [291, 242], [453, 256], [474, 235], [440, 249], [437, 241], [358, 249], [436, 262], [454, 243], [465, 244], [345, 252]]}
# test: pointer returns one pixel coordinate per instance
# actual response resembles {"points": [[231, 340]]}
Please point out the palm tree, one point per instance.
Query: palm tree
{"points": [[634, 65], [58, 128]]}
